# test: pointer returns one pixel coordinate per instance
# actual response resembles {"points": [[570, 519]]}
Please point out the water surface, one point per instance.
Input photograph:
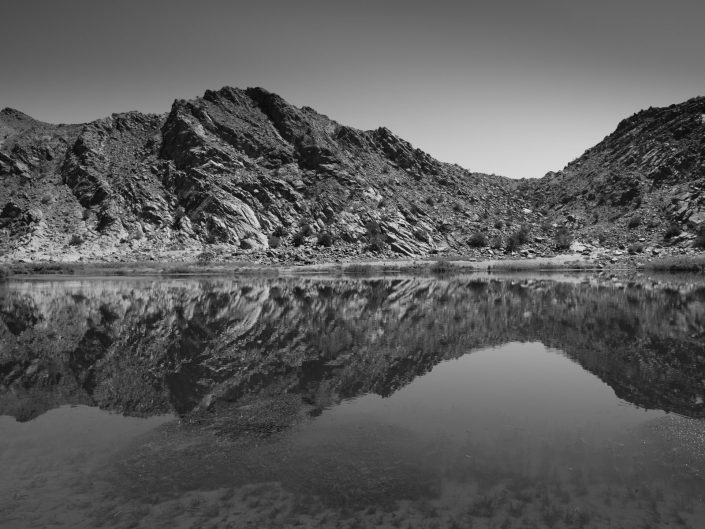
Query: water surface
{"points": [[138, 402]]}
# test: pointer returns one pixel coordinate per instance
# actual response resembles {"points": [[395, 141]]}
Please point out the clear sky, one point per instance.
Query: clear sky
{"points": [[509, 87]]}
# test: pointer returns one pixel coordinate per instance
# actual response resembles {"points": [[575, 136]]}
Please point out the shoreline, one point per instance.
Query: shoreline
{"points": [[626, 268]]}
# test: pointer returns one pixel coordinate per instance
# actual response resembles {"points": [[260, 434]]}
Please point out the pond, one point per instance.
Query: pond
{"points": [[397, 402]]}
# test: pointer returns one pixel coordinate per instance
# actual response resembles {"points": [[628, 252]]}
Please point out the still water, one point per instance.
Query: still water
{"points": [[328, 402]]}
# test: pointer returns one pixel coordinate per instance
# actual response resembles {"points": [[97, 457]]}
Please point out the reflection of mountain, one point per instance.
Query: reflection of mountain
{"points": [[142, 347]]}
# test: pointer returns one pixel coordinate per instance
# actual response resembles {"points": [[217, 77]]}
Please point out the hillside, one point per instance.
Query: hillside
{"points": [[242, 174], [646, 181], [234, 172]]}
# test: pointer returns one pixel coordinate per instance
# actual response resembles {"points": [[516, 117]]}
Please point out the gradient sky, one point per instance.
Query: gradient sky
{"points": [[509, 87]]}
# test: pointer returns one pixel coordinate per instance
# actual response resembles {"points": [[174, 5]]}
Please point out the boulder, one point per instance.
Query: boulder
{"points": [[697, 219]]}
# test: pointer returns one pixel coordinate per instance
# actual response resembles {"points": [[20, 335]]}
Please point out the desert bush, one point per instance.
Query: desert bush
{"points": [[274, 241], [477, 240], [633, 222], [496, 242], [635, 248], [358, 270], [516, 239], [299, 238], [563, 239], [679, 263], [498, 225], [429, 201], [279, 231], [325, 239], [376, 242], [457, 207], [305, 229], [76, 240], [205, 257], [373, 228], [699, 241], [673, 230], [443, 266]]}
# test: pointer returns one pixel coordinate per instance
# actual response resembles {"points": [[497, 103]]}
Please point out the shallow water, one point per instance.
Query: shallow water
{"points": [[350, 403]]}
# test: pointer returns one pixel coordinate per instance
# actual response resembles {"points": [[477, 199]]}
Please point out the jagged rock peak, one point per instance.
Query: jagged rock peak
{"points": [[12, 113]]}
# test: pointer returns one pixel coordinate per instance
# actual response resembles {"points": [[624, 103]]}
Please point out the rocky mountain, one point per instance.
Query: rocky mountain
{"points": [[236, 171], [645, 181], [240, 173]]}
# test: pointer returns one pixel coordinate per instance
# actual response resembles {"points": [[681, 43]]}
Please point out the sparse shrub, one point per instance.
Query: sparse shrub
{"points": [[563, 239], [274, 241], [457, 207], [679, 263], [299, 238], [516, 239], [76, 240], [376, 242], [635, 248], [496, 242], [373, 228], [673, 230], [634, 222], [358, 270], [429, 201], [306, 229], [443, 267], [699, 241], [279, 231], [498, 225], [205, 257], [325, 239], [477, 240], [179, 214]]}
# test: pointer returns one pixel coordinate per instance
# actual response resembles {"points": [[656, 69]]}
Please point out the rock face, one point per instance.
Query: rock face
{"points": [[241, 169], [648, 174], [240, 172]]}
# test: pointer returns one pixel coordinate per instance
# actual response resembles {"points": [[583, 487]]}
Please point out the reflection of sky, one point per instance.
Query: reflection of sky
{"points": [[518, 385], [74, 437]]}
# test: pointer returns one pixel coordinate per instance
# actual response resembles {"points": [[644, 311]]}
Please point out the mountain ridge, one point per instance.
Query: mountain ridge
{"points": [[241, 172]]}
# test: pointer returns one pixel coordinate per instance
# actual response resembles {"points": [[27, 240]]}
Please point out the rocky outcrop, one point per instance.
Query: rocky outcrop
{"points": [[240, 173], [240, 169], [647, 175]]}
